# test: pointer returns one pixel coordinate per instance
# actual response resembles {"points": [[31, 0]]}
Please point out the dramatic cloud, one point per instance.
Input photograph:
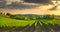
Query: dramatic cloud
{"points": [[20, 6], [17, 5], [38, 1]]}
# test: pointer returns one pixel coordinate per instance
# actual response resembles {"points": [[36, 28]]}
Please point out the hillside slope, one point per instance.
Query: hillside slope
{"points": [[8, 22]]}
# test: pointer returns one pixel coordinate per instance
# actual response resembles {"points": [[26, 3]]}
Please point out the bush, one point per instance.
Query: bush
{"points": [[8, 14]]}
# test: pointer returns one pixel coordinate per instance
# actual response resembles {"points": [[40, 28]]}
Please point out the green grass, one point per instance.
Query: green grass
{"points": [[7, 22], [53, 22]]}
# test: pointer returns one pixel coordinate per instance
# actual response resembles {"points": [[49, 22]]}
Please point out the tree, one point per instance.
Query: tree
{"points": [[8, 14], [51, 16], [46, 17]]}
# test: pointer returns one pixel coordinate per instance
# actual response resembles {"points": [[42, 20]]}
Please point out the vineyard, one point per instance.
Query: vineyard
{"points": [[43, 25], [38, 18]]}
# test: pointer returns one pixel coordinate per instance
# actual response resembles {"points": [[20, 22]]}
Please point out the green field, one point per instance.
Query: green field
{"points": [[8, 22], [53, 22]]}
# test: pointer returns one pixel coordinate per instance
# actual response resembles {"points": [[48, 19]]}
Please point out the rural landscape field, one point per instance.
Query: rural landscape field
{"points": [[29, 16]]}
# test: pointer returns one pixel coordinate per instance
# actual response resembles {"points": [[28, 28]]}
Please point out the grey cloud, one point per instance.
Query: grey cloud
{"points": [[16, 5], [38, 1], [20, 6]]}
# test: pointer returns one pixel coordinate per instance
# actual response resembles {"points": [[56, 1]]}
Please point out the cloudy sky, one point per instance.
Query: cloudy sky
{"points": [[40, 10], [36, 9], [13, 0]]}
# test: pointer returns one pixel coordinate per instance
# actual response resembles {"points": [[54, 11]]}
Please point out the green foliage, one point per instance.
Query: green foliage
{"points": [[48, 17], [8, 22], [52, 22], [8, 14], [26, 17], [22, 17]]}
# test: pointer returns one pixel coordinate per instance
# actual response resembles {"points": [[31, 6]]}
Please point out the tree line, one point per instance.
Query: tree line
{"points": [[30, 17]]}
